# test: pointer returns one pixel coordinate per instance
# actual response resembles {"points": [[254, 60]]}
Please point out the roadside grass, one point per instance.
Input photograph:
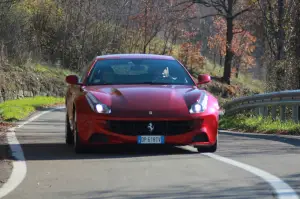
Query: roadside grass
{"points": [[14, 110], [51, 71], [258, 124]]}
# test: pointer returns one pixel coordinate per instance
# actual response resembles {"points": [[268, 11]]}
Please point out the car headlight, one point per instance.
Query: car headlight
{"points": [[96, 105], [201, 105]]}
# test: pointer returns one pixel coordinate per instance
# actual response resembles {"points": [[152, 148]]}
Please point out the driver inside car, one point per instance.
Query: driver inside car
{"points": [[107, 75]]}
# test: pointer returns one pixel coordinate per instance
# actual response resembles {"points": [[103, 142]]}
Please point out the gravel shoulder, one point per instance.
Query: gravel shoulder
{"points": [[5, 161]]}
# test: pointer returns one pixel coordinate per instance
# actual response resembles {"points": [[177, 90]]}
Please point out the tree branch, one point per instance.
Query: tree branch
{"points": [[181, 3], [238, 32], [245, 10], [183, 9], [241, 12], [213, 15]]}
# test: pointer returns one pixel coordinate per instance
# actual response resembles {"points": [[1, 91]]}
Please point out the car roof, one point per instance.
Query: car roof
{"points": [[135, 56]]}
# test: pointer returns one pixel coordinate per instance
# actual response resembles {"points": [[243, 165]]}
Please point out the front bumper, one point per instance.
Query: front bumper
{"points": [[96, 131]]}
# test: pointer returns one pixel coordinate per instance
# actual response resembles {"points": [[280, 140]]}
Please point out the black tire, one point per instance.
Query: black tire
{"points": [[208, 149], [69, 136], [78, 146]]}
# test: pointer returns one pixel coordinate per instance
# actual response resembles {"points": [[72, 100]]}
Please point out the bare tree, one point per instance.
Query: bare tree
{"points": [[230, 10]]}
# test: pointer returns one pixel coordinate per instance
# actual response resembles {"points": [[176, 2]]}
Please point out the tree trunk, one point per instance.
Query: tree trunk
{"points": [[215, 59], [280, 44], [280, 73], [221, 59], [145, 30], [237, 71], [229, 54]]}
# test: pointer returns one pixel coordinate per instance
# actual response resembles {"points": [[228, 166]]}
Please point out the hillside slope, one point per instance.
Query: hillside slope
{"points": [[31, 80], [244, 85]]}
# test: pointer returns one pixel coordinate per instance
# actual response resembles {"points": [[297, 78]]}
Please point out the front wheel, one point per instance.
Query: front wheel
{"points": [[208, 149], [78, 146], [69, 137], [205, 149]]}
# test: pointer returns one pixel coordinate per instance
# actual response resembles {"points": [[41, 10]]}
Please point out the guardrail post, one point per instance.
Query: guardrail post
{"points": [[265, 111], [282, 112], [257, 110], [274, 112], [296, 113], [261, 110]]}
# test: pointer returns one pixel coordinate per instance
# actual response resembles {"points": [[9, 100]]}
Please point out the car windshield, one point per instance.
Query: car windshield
{"points": [[138, 71]]}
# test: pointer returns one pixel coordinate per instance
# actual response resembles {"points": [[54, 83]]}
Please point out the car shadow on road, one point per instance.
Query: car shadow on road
{"points": [[61, 151], [208, 189]]}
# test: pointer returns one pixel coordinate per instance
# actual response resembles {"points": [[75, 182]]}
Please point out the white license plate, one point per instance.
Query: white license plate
{"points": [[151, 139]]}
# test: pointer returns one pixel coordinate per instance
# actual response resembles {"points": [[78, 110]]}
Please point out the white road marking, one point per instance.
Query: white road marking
{"points": [[19, 165], [281, 189]]}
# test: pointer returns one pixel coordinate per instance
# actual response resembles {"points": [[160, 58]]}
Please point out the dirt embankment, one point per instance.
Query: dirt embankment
{"points": [[29, 81], [5, 160]]}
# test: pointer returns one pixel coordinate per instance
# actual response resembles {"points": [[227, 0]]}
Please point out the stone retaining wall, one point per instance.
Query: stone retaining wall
{"points": [[11, 95]]}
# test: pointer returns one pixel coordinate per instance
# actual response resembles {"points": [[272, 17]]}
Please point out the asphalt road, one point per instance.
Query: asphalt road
{"points": [[55, 171]]}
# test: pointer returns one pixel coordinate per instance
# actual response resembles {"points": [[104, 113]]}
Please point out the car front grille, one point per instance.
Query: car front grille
{"points": [[134, 128]]}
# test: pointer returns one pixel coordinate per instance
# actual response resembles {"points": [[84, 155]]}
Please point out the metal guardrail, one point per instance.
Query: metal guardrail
{"points": [[268, 104]]}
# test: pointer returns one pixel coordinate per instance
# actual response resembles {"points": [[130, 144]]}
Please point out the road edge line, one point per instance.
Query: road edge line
{"points": [[280, 136], [19, 169], [281, 189]]}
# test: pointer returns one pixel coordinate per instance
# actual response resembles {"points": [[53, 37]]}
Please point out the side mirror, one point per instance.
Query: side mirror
{"points": [[203, 79], [72, 79]]}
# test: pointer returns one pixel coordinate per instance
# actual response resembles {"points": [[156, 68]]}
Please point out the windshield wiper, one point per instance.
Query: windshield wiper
{"points": [[152, 83], [100, 84]]}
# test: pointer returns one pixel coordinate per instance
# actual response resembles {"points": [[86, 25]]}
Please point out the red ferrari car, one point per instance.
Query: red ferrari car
{"points": [[139, 99]]}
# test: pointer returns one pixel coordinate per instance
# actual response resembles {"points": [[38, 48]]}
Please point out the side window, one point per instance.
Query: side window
{"points": [[84, 71]]}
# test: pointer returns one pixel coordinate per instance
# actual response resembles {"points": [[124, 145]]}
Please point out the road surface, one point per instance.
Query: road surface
{"points": [[55, 171]]}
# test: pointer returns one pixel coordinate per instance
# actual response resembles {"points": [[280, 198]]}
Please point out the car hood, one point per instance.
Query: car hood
{"points": [[147, 100]]}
